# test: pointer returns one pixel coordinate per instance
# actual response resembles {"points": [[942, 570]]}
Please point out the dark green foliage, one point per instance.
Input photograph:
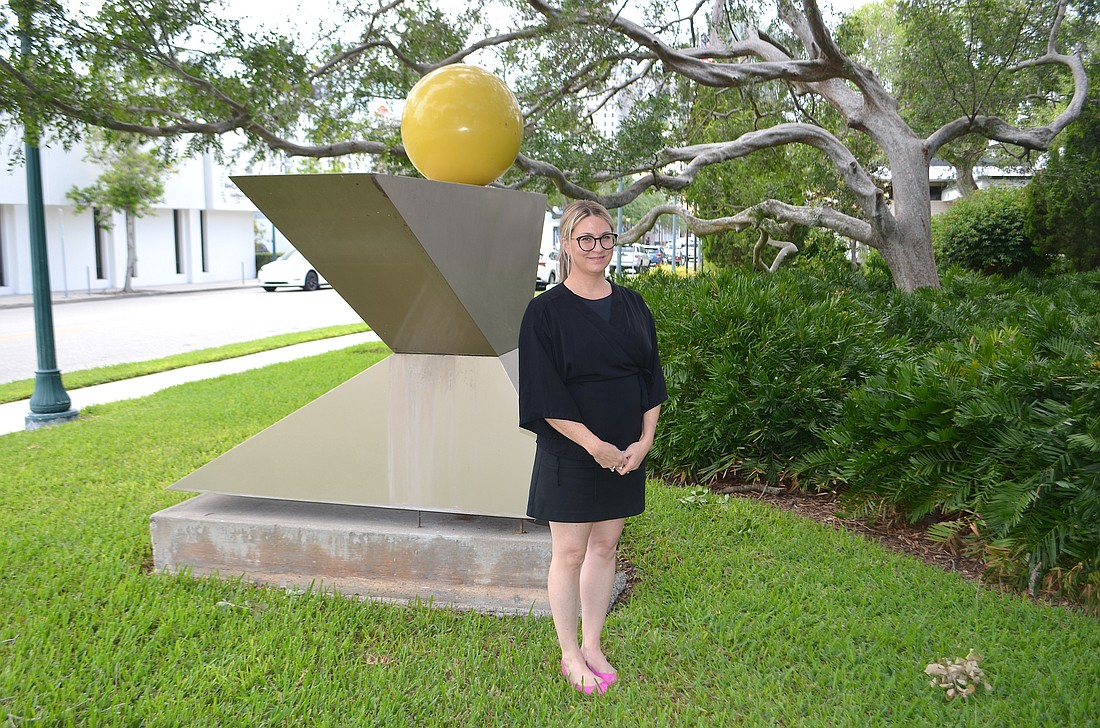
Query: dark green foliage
{"points": [[821, 249], [985, 232], [968, 300], [729, 249], [756, 364], [978, 402], [998, 426], [876, 271], [1063, 210]]}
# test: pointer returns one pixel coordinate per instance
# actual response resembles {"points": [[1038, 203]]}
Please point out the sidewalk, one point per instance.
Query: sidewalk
{"points": [[12, 414], [58, 298]]}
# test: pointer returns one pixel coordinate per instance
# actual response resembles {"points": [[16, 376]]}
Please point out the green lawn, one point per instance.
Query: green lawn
{"points": [[741, 615]]}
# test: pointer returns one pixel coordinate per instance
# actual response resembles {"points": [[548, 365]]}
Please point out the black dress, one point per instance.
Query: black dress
{"points": [[605, 373]]}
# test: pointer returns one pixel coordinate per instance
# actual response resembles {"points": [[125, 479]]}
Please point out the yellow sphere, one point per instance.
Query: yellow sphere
{"points": [[461, 124]]}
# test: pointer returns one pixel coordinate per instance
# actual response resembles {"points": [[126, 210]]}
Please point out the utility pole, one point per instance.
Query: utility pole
{"points": [[675, 241], [50, 403], [619, 231]]}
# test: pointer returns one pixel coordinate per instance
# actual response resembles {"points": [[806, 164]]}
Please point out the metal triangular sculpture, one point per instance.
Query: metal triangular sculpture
{"points": [[433, 267], [442, 272]]}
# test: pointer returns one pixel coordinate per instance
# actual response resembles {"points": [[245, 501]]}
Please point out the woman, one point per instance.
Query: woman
{"points": [[591, 388]]}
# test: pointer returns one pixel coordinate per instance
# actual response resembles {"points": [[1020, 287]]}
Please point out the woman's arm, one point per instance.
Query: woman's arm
{"points": [[636, 453], [607, 455]]}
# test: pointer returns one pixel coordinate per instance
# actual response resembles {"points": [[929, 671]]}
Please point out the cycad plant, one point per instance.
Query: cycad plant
{"points": [[757, 365], [998, 432]]}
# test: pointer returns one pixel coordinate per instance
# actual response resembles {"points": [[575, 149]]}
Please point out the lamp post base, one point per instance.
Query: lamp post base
{"points": [[35, 420]]}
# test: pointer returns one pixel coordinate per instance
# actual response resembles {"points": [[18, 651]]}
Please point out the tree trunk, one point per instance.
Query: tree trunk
{"points": [[964, 176], [907, 244], [911, 263], [131, 253]]}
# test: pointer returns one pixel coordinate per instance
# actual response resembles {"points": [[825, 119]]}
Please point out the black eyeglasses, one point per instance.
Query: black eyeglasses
{"points": [[588, 242]]}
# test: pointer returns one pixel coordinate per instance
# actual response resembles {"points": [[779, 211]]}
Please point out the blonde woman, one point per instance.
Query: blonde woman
{"points": [[590, 388]]}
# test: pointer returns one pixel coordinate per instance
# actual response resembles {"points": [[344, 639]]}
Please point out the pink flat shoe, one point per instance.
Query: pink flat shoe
{"points": [[599, 688], [607, 678]]}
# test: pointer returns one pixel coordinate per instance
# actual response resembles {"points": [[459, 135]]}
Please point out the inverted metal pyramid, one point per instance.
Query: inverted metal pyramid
{"points": [[433, 267]]}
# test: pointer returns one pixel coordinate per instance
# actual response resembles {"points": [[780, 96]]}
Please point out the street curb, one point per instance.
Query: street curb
{"points": [[27, 301]]}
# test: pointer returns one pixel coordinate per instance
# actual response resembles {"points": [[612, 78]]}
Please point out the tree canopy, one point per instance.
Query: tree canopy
{"points": [[1064, 210], [181, 70], [132, 181]]}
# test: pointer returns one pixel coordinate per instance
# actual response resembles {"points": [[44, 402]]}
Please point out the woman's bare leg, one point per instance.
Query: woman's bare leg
{"points": [[568, 544], [597, 578]]}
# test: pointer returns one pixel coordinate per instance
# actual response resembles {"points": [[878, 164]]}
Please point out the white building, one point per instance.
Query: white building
{"points": [[201, 231], [943, 189]]}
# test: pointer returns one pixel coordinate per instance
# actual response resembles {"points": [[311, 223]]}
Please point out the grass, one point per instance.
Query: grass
{"points": [[24, 388], [741, 615]]}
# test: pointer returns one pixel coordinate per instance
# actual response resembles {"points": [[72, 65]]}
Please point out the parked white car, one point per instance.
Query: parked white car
{"points": [[635, 259], [290, 270], [547, 273]]}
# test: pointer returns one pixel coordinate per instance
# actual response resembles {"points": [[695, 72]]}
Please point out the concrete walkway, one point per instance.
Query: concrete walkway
{"points": [[12, 415]]}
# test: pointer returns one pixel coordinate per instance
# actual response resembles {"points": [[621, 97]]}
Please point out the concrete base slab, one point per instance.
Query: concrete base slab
{"points": [[468, 562], [36, 421]]}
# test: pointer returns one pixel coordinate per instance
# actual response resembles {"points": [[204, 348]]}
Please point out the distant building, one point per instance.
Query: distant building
{"points": [[202, 231], [942, 190], [609, 117]]}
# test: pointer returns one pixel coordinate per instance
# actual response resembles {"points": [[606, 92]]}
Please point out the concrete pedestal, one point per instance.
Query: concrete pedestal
{"points": [[468, 562]]}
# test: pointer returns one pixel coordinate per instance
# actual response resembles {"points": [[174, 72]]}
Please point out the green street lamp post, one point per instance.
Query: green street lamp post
{"points": [[50, 403]]}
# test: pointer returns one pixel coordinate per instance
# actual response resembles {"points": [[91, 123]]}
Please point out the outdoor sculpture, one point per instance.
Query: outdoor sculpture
{"points": [[442, 272], [387, 486]]}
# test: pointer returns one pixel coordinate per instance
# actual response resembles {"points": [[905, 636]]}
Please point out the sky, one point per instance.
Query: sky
{"points": [[288, 14]]}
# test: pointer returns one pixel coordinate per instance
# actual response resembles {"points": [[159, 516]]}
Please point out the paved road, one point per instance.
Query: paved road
{"points": [[102, 331]]}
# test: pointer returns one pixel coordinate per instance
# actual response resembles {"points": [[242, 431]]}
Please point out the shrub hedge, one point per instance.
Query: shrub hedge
{"points": [[986, 232], [978, 403], [757, 365]]}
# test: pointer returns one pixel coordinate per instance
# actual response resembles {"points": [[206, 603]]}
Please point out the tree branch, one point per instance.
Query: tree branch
{"points": [[611, 201], [425, 68], [698, 157], [691, 63], [786, 248], [570, 84], [810, 28], [810, 216], [293, 149], [854, 176], [755, 216], [1039, 137]]}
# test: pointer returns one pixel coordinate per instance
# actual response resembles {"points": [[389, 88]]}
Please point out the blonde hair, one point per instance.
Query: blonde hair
{"points": [[573, 213]]}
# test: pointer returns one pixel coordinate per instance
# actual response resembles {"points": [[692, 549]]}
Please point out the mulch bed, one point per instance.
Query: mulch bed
{"points": [[909, 539], [902, 537]]}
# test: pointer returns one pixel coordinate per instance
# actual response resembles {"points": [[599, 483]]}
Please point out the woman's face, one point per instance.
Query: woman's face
{"points": [[594, 261]]}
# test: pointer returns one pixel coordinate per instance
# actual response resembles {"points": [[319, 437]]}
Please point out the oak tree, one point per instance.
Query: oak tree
{"points": [[181, 70]]}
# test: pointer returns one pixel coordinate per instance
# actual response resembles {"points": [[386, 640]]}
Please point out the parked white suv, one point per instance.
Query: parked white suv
{"points": [[635, 259]]}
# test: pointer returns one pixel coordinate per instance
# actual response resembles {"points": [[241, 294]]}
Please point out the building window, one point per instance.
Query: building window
{"points": [[99, 242], [177, 219], [202, 241]]}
